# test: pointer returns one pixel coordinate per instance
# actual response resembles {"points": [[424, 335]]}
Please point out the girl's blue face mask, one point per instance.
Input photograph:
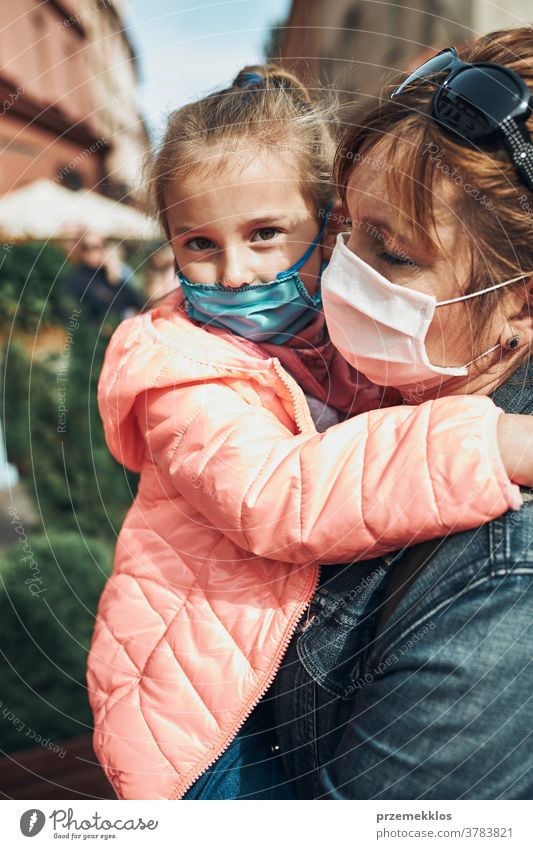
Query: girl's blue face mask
{"points": [[263, 312]]}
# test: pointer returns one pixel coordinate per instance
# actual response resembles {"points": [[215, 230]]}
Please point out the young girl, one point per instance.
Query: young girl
{"points": [[240, 497]]}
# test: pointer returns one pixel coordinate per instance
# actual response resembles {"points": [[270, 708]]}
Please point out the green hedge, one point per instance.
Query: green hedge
{"points": [[47, 607], [31, 286], [75, 481], [81, 496]]}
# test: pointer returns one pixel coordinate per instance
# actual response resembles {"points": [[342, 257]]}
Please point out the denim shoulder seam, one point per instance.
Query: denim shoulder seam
{"points": [[502, 547], [397, 638]]}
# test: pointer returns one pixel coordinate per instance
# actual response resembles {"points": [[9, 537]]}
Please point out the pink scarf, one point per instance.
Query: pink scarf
{"points": [[316, 365]]}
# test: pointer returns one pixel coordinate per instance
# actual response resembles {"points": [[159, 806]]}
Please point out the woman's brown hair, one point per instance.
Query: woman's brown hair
{"points": [[489, 199]]}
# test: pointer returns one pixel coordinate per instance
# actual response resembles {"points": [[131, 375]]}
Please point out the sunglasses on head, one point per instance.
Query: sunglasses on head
{"points": [[480, 102]]}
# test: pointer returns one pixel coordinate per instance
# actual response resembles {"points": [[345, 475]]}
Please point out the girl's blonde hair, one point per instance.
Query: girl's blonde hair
{"points": [[265, 106]]}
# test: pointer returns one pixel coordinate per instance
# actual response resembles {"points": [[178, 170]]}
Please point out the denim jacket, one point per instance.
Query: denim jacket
{"points": [[412, 676]]}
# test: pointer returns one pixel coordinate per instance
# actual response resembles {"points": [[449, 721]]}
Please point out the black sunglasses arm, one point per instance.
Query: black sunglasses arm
{"points": [[520, 149]]}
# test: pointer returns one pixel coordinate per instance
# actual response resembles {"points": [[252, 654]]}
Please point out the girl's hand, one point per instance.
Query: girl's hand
{"points": [[515, 438]]}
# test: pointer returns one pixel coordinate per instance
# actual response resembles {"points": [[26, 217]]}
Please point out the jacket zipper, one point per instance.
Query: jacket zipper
{"points": [[290, 632], [268, 681], [295, 401]]}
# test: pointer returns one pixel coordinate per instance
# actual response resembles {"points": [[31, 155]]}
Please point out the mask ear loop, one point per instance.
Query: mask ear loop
{"points": [[301, 262], [480, 356], [482, 292], [473, 295]]}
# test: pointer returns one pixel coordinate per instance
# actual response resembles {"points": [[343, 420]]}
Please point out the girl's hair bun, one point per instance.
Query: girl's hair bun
{"points": [[248, 78], [262, 77]]}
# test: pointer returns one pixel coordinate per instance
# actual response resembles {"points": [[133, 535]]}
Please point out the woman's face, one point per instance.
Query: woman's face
{"points": [[384, 236]]}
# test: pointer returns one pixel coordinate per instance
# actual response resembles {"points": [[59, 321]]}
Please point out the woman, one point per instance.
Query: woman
{"points": [[413, 681]]}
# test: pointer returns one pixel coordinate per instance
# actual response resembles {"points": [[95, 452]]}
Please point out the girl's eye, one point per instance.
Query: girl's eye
{"points": [[200, 243], [394, 259], [265, 234]]}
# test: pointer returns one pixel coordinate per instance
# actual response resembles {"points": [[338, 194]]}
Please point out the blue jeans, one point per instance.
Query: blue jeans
{"points": [[249, 768]]}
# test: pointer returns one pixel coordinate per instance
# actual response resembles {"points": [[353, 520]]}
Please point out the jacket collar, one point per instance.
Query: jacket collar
{"points": [[211, 347]]}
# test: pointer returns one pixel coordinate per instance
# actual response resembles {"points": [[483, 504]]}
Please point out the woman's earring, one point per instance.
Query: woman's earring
{"points": [[512, 343]]}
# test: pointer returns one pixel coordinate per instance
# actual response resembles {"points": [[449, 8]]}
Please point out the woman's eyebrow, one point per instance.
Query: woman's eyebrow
{"points": [[374, 225]]}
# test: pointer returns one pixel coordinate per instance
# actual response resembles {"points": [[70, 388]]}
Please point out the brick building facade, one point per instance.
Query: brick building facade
{"points": [[357, 45], [68, 111]]}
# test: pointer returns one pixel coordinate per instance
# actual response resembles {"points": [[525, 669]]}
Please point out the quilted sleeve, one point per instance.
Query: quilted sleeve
{"points": [[372, 484]]}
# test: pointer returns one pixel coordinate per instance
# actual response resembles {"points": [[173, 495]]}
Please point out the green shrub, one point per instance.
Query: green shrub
{"points": [[31, 286], [45, 633], [75, 481], [81, 496]]}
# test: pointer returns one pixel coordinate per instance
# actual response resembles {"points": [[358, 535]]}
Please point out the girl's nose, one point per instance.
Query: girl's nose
{"points": [[235, 272]]}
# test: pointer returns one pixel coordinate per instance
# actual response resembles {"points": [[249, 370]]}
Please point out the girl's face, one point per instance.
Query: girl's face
{"points": [[244, 221]]}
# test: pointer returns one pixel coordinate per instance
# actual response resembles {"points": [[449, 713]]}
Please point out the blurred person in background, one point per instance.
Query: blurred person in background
{"points": [[160, 275], [118, 270], [101, 282]]}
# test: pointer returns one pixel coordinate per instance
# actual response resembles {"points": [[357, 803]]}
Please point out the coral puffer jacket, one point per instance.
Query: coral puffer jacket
{"points": [[239, 499]]}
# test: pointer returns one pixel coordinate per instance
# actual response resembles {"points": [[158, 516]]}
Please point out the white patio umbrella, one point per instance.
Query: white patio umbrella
{"points": [[45, 210]]}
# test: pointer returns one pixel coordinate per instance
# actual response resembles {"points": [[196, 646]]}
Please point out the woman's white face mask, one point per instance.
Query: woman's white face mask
{"points": [[380, 327]]}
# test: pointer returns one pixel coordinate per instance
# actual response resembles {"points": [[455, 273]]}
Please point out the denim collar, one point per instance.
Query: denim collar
{"points": [[516, 394]]}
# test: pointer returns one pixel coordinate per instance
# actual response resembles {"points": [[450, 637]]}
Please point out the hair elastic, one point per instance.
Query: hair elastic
{"points": [[250, 78]]}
